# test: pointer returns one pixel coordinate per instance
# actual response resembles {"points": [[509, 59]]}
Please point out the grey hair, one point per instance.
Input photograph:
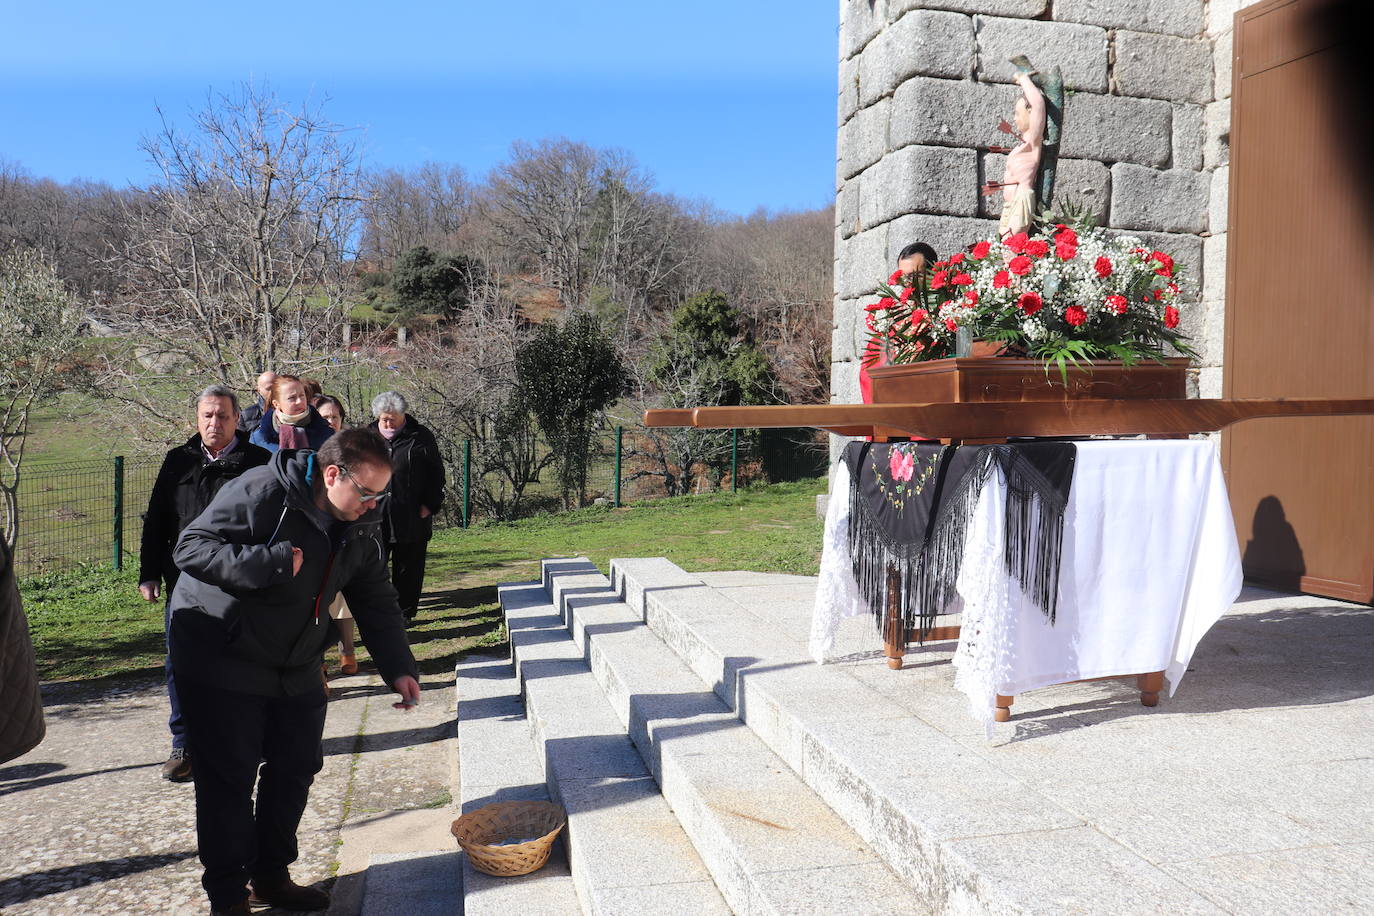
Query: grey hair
{"points": [[388, 402], [219, 391]]}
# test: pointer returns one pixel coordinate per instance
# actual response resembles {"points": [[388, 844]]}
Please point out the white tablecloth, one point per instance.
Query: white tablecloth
{"points": [[1150, 562]]}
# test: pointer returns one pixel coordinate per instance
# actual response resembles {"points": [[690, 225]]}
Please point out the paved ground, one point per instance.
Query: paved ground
{"points": [[88, 826]]}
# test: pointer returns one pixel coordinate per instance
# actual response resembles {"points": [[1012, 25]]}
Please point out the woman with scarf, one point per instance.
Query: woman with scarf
{"points": [[290, 421], [417, 491]]}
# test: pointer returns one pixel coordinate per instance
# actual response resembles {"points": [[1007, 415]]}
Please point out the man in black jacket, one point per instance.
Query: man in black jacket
{"points": [[250, 624], [190, 477], [252, 414]]}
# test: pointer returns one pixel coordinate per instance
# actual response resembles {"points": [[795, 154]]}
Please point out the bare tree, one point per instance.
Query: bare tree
{"points": [[403, 209], [39, 322], [236, 257]]}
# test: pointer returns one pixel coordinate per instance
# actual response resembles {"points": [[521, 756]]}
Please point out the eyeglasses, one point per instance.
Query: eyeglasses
{"points": [[364, 495]]}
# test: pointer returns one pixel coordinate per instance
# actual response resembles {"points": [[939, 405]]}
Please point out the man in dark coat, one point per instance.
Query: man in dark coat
{"points": [[252, 414], [417, 492], [190, 477], [21, 714], [250, 624]]}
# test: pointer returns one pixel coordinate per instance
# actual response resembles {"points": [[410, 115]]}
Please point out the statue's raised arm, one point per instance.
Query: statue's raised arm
{"points": [[1023, 163]]}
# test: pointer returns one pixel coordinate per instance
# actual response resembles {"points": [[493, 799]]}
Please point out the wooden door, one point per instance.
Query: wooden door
{"points": [[1299, 295]]}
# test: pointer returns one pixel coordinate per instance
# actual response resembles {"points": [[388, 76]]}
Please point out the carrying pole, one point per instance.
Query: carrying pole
{"points": [[734, 460]]}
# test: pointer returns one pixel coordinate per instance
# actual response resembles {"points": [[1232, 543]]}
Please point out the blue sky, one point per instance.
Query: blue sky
{"points": [[732, 101]]}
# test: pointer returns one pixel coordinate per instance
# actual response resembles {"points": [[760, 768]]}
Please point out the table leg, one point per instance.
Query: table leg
{"points": [[1150, 686], [1002, 711], [894, 627]]}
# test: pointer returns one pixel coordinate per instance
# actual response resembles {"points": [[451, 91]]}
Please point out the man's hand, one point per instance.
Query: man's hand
{"points": [[297, 559], [424, 512], [150, 590], [409, 689]]}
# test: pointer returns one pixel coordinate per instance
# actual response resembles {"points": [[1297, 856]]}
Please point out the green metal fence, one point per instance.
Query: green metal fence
{"points": [[81, 512]]}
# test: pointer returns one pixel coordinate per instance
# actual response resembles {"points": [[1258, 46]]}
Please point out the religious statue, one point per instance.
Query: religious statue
{"points": [[1028, 177]]}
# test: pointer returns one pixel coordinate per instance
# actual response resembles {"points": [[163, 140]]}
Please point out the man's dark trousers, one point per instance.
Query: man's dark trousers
{"points": [[229, 734], [176, 724], [408, 573]]}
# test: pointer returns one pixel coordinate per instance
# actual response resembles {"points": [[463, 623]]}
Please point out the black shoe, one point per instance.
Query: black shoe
{"points": [[288, 895], [178, 766]]}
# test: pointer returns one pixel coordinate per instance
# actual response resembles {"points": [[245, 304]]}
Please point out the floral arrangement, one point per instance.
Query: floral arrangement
{"points": [[1062, 294]]}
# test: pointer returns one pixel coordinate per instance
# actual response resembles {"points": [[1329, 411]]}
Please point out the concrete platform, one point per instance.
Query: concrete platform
{"points": [[1247, 792]]}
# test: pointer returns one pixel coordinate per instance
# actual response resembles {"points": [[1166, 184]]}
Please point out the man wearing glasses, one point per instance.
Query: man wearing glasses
{"points": [[250, 625]]}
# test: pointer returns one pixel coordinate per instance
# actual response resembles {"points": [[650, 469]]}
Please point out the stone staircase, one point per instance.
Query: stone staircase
{"points": [[708, 765]]}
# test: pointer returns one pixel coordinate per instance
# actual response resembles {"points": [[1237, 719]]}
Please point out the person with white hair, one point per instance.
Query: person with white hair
{"points": [[417, 492]]}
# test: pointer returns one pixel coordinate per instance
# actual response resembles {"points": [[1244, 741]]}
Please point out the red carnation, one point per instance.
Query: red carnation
{"points": [[1002, 280], [886, 302], [1166, 263], [1103, 266], [972, 296], [1065, 236], [895, 278], [1030, 303], [951, 324], [907, 293], [1037, 248], [1064, 251], [870, 323], [956, 258], [981, 250], [1159, 295], [1170, 316], [962, 280], [1075, 315], [918, 317], [1118, 303], [1019, 265], [937, 280], [1017, 242]]}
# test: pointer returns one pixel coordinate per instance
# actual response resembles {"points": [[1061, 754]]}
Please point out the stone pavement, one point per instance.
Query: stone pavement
{"points": [[87, 825]]}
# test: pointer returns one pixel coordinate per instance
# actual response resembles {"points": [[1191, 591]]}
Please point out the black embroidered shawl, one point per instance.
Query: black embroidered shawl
{"points": [[911, 504]]}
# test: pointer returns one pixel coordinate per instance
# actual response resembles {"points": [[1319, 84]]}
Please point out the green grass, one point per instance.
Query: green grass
{"points": [[90, 622]]}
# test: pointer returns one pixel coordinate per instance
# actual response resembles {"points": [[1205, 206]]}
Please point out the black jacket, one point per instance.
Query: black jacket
{"points": [[251, 416], [417, 479], [242, 621], [184, 487]]}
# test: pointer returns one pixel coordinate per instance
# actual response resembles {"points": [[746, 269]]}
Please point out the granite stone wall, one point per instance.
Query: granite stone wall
{"points": [[924, 83]]}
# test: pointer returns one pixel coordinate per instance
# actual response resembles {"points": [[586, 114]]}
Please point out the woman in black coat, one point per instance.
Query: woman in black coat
{"points": [[417, 492]]}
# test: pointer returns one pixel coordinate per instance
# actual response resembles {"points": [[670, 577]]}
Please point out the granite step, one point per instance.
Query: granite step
{"points": [[770, 843], [965, 834], [498, 762], [627, 852]]}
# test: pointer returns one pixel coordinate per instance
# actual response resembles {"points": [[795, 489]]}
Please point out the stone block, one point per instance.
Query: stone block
{"points": [[933, 112], [1221, 14], [1222, 49], [860, 23], [1116, 129], [920, 179], [1174, 200], [1163, 67], [1187, 136], [1171, 17], [1204, 324], [863, 140], [863, 261], [847, 207], [1214, 268], [1023, 8], [849, 89], [1219, 205], [921, 43], [946, 234], [1085, 181], [842, 338], [1080, 51], [844, 384], [1216, 138], [1209, 382]]}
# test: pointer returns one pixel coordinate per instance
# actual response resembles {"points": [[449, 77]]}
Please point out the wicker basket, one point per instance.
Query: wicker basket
{"points": [[477, 830]]}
